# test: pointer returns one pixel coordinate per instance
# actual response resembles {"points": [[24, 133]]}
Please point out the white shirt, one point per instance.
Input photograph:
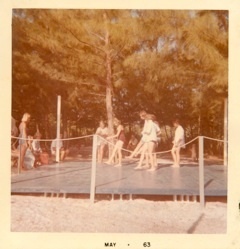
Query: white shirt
{"points": [[101, 132], [179, 137], [150, 131], [145, 130], [54, 145], [157, 131], [36, 145]]}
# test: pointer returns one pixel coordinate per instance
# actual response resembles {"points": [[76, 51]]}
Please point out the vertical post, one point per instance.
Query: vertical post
{"points": [[93, 172], [58, 127], [225, 157], [19, 158], [201, 172]]}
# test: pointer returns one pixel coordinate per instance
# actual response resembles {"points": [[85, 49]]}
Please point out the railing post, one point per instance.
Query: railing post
{"points": [[93, 172], [19, 158], [201, 171], [58, 128], [225, 146]]}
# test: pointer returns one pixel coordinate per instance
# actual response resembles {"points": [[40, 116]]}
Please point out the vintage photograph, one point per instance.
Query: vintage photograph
{"points": [[119, 121]]}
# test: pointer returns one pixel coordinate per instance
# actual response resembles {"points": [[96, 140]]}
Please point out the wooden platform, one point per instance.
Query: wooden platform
{"points": [[73, 177]]}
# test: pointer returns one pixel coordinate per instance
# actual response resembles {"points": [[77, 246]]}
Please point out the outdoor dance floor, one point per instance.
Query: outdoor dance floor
{"points": [[74, 177]]}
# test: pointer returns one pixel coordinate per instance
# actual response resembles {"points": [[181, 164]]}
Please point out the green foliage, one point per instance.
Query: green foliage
{"points": [[168, 62]]}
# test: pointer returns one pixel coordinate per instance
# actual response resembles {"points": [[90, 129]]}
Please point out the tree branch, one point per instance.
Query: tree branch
{"points": [[83, 42], [120, 50], [92, 33]]}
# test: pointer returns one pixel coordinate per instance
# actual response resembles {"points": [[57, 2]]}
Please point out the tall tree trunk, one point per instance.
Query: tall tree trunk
{"points": [[199, 125], [165, 128], [109, 101], [108, 79], [109, 86]]}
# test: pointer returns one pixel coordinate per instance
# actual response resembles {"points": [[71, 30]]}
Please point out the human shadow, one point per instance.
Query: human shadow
{"points": [[195, 224], [208, 183]]}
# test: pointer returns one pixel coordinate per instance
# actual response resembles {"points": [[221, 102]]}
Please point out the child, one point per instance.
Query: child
{"points": [[178, 143], [120, 135], [102, 132], [139, 148]]}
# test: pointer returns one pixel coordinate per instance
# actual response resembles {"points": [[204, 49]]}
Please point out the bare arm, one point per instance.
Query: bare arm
{"points": [[119, 129], [24, 132]]}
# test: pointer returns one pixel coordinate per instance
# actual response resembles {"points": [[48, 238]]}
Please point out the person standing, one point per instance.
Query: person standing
{"points": [[23, 143], [154, 140], [37, 150], [102, 132], [120, 135], [58, 144], [178, 143], [150, 133], [143, 115]]}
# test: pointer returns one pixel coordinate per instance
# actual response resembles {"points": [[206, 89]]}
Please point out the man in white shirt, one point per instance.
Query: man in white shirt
{"points": [[178, 143], [102, 132], [54, 145]]}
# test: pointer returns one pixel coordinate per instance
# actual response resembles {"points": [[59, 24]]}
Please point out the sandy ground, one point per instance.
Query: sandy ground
{"points": [[51, 214]]}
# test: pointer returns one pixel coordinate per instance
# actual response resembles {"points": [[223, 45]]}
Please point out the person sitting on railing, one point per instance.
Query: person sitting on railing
{"points": [[58, 144], [178, 143]]}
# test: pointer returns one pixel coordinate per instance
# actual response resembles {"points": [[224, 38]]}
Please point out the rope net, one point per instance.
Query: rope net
{"points": [[80, 149]]}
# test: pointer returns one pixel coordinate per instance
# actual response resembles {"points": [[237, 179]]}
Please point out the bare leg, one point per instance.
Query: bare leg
{"points": [[176, 156], [147, 161], [62, 154], [98, 153], [101, 153], [155, 156], [120, 145], [23, 149], [173, 151], [115, 149], [150, 151], [136, 149], [143, 151]]}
